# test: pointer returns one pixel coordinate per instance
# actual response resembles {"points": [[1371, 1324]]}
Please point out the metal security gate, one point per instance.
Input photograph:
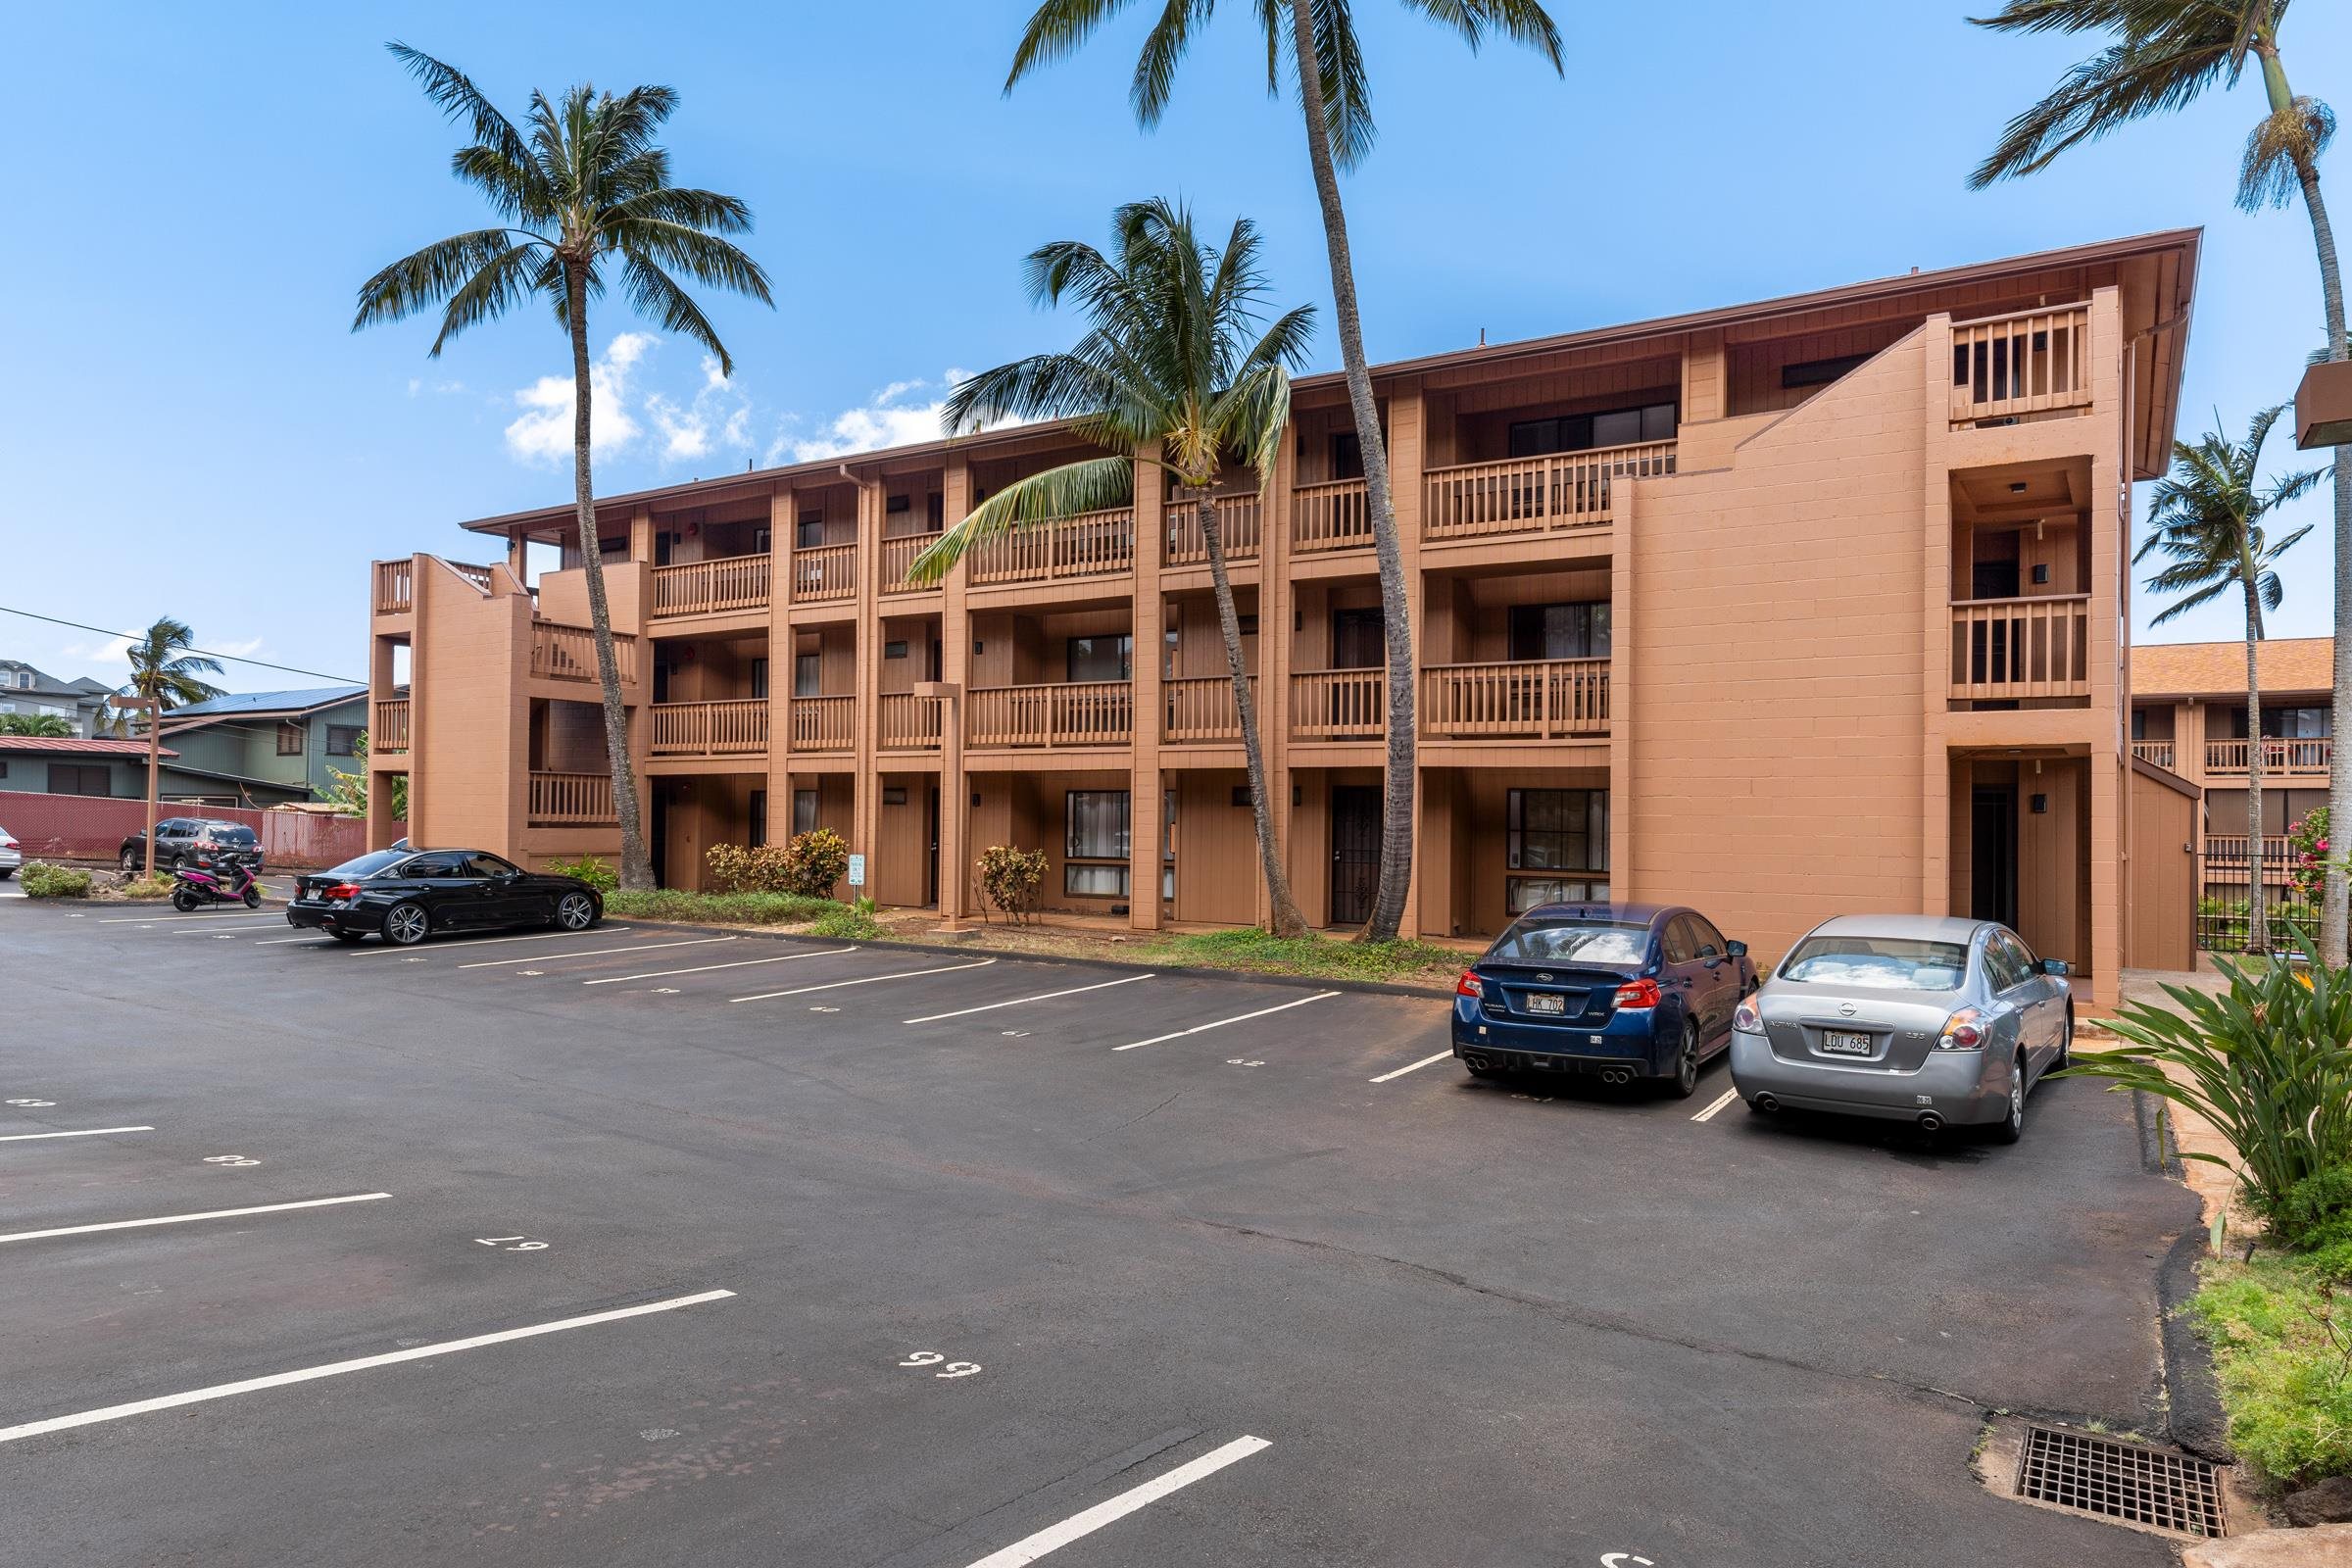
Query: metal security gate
{"points": [[1354, 852], [2226, 885]]}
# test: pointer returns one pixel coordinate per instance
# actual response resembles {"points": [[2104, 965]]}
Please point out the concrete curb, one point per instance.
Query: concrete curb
{"points": [[2194, 1415]]}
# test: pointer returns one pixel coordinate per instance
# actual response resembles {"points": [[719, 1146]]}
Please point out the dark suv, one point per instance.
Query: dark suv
{"points": [[196, 840]]}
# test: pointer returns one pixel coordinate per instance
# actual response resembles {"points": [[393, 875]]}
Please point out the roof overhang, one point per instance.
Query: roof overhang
{"points": [[2324, 406]]}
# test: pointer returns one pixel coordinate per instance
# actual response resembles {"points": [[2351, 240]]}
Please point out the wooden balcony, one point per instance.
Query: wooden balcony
{"points": [[479, 576], [824, 573], [1237, 525], [898, 554], [824, 723], [1536, 495], [2156, 752], [1330, 516], [568, 653], [388, 732], [1339, 704], [2013, 649], [572, 800], [1093, 544], [704, 587], [907, 722], [1200, 708], [732, 729], [2280, 756], [394, 586], [2032, 362], [1538, 699], [1084, 713]]}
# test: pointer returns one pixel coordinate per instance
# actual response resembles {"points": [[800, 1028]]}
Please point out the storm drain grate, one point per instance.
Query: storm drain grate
{"points": [[2121, 1481]]}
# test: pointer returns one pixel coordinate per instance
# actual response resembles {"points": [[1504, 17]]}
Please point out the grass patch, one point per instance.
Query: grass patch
{"points": [[2281, 1333], [1316, 956], [851, 922], [721, 909], [42, 880], [159, 887]]}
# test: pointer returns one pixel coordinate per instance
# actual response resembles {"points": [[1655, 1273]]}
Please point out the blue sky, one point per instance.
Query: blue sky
{"points": [[188, 427]]}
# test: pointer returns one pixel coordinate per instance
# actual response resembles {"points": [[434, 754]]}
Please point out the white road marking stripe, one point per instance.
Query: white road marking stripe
{"points": [[1727, 1097], [1425, 1061], [280, 942], [280, 1380], [599, 953], [1043, 996], [166, 915], [484, 942], [1222, 1023], [835, 985], [182, 1220], [1079, 1525], [240, 921], [81, 1132], [739, 963]]}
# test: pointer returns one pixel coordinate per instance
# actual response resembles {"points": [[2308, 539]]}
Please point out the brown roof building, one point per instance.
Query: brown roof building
{"points": [[2188, 715], [1783, 610]]}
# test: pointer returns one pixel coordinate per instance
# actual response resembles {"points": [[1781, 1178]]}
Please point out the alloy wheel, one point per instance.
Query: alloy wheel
{"points": [[575, 913], [1686, 1065], [406, 925]]}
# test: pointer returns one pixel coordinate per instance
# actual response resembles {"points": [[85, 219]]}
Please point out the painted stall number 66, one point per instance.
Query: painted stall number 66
{"points": [[955, 1369], [229, 1159]]}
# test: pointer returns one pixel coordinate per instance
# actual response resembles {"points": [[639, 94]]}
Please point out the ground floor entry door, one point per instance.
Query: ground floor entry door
{"points": [[1354, 852], [1992, 851]]}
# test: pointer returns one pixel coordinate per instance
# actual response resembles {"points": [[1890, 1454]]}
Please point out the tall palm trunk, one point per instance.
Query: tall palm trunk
{"points": [[636, 872], [1286, 920], [1397, 795], [2258, 925]]}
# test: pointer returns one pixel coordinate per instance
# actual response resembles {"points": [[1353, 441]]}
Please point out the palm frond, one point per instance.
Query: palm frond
{"points": [[490, 293], [2281, 148], [1522, 21], [1056, 30], [684, 208], [1163, 49], [429, 276], [1094, 484], [457, 96], [705, 258], [1347, 87], [655, 295], [2139, 76]]}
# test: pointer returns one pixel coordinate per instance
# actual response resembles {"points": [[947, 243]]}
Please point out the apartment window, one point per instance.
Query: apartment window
{"points": [[1096, 833], [812, 531], [894, 650], [893, 795], [899, 506], [2295, 723], [1560, 631], [756, 833], [1819, 373], [760, 677], [343, 740], [762, 541], [1551, 832], [290, 737], [1347, 455], [1582, 432], [1102, 658], [2139, 732], [1530, 892], [807, 675], [804, 811], [935, 511], [73, 778], [1168, 641]]}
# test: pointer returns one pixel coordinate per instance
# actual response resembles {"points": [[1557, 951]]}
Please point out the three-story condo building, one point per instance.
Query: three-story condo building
{"points": [[1785, 608]]}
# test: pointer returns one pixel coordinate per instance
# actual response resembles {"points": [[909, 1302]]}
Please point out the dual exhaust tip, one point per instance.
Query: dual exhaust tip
{"points": [[1609, 1075]]}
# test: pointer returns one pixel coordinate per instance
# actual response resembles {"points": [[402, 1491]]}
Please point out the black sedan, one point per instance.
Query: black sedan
{"points": [[404, 895]]}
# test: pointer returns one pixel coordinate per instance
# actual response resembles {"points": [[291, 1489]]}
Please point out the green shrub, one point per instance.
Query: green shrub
{"points": [[2313, 1210], [589, 870], [807, 864], [2281, 1333], [724, 909], [146, 888], [854, 923], [1010, 879], [816, 859], [45, 881]]}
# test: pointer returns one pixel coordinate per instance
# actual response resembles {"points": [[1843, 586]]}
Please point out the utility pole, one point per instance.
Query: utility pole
{"points": [[155, 743]]}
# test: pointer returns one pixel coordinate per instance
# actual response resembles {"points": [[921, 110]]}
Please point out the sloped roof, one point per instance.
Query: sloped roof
{"points": [[2219, 669], [60, 745], [247, 705]]}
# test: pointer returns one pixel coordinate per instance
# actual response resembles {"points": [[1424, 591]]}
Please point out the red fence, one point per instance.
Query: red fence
{"points": [[91, 827]]}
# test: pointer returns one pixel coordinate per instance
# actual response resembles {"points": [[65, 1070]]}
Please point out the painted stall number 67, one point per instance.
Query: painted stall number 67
{"points": [[955, 1369]]}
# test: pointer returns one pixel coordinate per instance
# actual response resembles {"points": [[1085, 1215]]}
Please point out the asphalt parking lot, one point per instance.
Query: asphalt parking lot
{"points": [[646, 1246]]}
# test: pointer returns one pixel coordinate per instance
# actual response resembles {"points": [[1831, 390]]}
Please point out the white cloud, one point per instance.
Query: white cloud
{"points": [[110, 654], [889, 419], [719, 416], [241, 650], [543, 432]]}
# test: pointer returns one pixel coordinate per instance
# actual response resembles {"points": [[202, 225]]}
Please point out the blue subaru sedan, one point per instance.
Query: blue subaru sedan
{"points": [[1617, 991]]}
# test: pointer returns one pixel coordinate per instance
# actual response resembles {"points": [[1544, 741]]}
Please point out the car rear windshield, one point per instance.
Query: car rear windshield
{"points": [[370, 863], [1612, 943], [1884, 963], [230, 833]]}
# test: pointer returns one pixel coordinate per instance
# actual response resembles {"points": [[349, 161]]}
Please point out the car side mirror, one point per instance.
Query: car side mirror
{"points": [[1737, 949], [2057, 967]]}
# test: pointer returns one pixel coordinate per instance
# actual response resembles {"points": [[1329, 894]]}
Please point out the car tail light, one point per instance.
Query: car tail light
{"points": [[1961, 1032], [1642, 993], [341, 891], [1745, 1018], [1468, 985]]}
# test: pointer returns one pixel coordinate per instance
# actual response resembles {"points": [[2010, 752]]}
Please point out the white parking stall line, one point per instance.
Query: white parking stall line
{"points": [[78, 1132], [280, 1380], [1043, 996], [705, 969], [538, 936], [598, 953], [309, 935], [1425, 1061], [1109, 1512], [836, 985], [1723, 1099], [167, 916], [1222, 1023], [235, 922], [183, 1219]]}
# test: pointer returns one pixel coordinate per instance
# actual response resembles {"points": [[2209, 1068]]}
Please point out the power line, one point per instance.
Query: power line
{"points": [[132, 636]]}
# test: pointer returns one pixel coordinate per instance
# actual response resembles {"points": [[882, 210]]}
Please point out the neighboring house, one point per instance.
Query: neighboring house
{"points": [[35, 765], [25, 689], [268, 748], [2188, 715]]}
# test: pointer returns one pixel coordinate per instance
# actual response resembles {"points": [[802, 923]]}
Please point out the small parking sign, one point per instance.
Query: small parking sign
{"points": [[857, 870]]}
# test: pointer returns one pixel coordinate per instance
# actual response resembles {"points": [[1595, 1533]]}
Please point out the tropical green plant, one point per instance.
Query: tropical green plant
{"points": [[166, 671], [2307, 845], [807, 866], [853, 922], [725, 909], [41, 880], [584, 200], [1173, 373], [349, 792], [44, 725], [587, 869], [815, 861], [2208, 517], [2281, 1333], [1010, 878], [1327, 60], [2162, 55]]}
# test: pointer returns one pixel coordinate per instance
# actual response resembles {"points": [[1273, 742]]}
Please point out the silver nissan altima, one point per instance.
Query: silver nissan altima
{"points": [[1928, 1019]]}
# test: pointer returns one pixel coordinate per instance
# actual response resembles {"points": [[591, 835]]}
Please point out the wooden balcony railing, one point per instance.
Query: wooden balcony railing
{"points": [[907, 722], [1535, 700], [479, 576], [1330, 516], [825, 572], [823, 723], [701, 587], [1089, 545], [394, 586], [388, 733], [568, 653], [1085, 713], [2159, 753], [2279, 755], [560, 800], [2025, 363], [2006, 649], [897, 555], [1200, 708], [1533, 494], [1237, 526], [736, 727], [1335, 704]]}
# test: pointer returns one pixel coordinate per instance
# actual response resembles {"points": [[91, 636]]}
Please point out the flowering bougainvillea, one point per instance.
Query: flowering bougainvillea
{"points": [[2307, 855]]}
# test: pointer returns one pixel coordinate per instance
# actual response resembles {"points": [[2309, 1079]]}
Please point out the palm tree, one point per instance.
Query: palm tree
{"points": [[585, 197], [1173, 371], [2162, 54], [2207, 516], [1335, 100], [46, 726], [164, 672]]}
